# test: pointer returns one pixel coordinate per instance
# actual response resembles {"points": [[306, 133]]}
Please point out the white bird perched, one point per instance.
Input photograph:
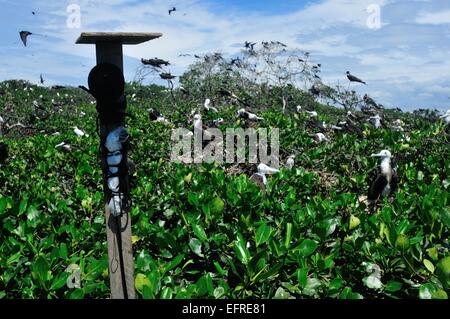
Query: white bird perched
{"points": [[2, 120], [162, 119], [299, 108], [312, 113], [377, 120], [79, 132], [335, 127], [446, 117], [265, 169], [242, 113], [208, 107], [218, 121], [290, 162], [397, 125], [260, 176], [320, 137], [60, 144], [64, 146], [82, 114]]}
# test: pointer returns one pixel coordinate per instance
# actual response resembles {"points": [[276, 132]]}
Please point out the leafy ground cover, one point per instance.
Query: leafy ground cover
{"points": [[206, 231]]}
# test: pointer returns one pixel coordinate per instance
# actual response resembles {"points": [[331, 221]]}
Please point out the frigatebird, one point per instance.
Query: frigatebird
{"points": [[41, 79], [242, 113], [167, 76], [290, 162], [446, 117], [172, 10], [353, 78], [24, 35], [384, 178], [155, 62], [250, 45]]}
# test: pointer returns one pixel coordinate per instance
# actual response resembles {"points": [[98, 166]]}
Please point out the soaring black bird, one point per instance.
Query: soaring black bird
{"points": [[172, 10], [384, 180], [41, 79], [3, 152], [24, 35], [166, 76], [155, 62], [353, 78]]}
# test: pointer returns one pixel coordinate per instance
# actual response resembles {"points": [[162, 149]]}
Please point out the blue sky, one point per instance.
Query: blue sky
{"points": [[406, 62]]}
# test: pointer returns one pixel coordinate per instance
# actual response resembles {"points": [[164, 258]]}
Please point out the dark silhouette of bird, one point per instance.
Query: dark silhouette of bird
{"points": [[155, 62], [183, 54], [384, 179], [369, 101], [172, 10], [41, 79], [24, 35], [167, 76], [314, 90], [197, 56], [3, 152], [58, 87], [33, 12], [353, 78], [250, 45]]}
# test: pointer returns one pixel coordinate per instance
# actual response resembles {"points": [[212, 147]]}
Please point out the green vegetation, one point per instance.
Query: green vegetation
{"points": [[207, 231]]}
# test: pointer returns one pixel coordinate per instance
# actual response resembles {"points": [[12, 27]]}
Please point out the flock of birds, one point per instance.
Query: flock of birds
{"points": [[384, 181]]}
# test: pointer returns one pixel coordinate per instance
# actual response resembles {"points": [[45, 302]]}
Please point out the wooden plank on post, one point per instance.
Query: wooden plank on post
{"points": [[109, 50]]}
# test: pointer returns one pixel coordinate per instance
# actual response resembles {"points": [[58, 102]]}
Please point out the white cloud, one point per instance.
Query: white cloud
{"points": [[436, 18], [402, 62]]}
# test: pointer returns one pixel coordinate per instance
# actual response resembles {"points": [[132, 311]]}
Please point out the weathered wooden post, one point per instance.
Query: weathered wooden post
{"points": [[106, 84]]}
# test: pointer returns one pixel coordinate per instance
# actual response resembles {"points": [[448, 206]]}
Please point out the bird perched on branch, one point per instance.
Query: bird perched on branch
{"points": [[208, 107], [384, 179], [446, 117], [260, 176], [290, 162], [353, 78], [377, 121], [166, 76], [242, 113], [155, 62]]}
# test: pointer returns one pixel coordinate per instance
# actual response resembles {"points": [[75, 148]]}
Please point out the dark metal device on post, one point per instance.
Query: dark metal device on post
{"points": [[107, 84]]}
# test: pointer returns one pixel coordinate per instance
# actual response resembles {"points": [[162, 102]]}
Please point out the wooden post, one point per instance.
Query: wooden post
{"points": [[109, 50]]}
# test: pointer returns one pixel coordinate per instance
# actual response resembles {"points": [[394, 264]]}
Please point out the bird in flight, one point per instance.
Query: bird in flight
{"points": [[353, 78], [24, 35], [172, 10], [155, 62], [249, 45], [41, 79]]}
